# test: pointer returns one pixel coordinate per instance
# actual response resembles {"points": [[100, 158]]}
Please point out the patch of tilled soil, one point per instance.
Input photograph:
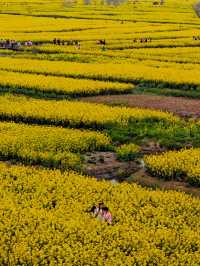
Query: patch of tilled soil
{"points": [[152, 148], [106, 166], [181, 106]]}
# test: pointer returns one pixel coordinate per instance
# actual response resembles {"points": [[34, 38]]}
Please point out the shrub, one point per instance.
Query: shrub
{"points": [[128, 152]]}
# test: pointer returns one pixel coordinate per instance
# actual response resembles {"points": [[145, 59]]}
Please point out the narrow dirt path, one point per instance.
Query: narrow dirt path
{"points": [[181, 106]]}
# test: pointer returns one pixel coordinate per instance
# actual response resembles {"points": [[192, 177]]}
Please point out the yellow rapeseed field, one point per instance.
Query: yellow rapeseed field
{"points": [[19, 82], [74, 113], [49, 146], [105, 47], [184, 164], [46, 222], [114, 72]]}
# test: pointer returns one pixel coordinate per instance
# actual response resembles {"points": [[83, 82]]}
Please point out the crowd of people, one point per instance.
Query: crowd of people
{"points": [[142, 40], [102, 213], [9, 44], [13, 44], [77, 44], [196, 38], [101, 42], [16, 45], [68, 42]]}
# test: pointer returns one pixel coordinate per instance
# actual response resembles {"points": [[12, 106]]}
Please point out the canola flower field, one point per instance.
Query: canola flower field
{"points": [[186, 165], [31, 84], [47, 132], [46, 222], [48, 146], [75, 113], [182, 77]]}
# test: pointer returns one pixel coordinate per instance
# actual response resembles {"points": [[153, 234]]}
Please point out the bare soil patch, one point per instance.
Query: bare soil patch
{"points": [[104, 165], [144, 179], [181, 106]]}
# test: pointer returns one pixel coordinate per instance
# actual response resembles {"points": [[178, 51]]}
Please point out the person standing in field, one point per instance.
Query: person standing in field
{"points": [[98, 210], [106, 215], [102, 213]]}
